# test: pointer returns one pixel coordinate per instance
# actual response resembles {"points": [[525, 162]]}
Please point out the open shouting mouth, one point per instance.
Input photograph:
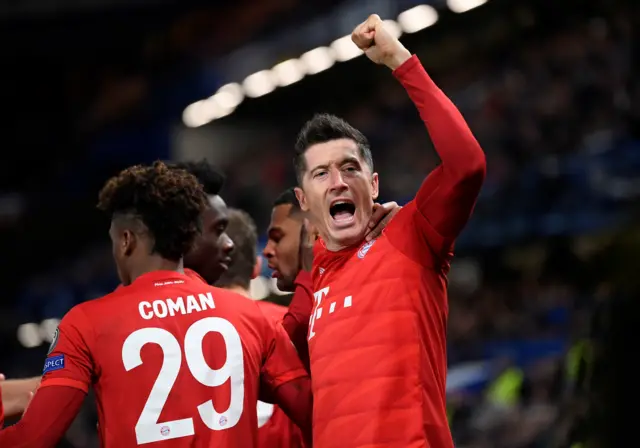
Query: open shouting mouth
{"points": [[342, 211]]}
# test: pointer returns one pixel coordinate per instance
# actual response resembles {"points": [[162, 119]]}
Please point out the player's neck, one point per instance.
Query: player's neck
{"points": [[153, 264], [333, 246], [239, 290]]}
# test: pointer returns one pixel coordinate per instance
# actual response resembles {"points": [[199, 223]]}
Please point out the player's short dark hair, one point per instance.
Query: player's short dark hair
{"points": [[208, 175], [244, 234], [323, 128], [168, 201], [288, 197]]}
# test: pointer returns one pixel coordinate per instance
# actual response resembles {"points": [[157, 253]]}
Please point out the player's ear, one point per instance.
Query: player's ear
{"points": [[128, 242], [374, 186], [257, 267], [302, 199]]}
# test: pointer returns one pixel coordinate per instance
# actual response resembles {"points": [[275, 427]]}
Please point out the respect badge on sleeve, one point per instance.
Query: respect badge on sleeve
{"points": [[53, 363]]}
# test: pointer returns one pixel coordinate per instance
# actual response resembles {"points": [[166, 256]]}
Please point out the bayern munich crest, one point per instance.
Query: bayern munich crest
{"points": [[365, 248]]}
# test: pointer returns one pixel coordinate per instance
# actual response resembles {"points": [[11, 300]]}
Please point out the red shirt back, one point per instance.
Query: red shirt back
{"points": [[377, 341], [173, 361]]}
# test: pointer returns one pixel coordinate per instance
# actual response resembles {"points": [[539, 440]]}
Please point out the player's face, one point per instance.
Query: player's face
{"points": [[338, 189], [283, 246], [211, 253]]}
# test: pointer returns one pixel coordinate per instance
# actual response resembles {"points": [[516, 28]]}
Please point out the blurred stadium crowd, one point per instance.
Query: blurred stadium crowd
{"points": [[555, 107]]}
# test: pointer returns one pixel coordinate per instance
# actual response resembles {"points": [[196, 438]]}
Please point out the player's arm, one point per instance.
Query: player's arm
{"points": [[65, 382], [50, 414], [447, 196], [296, 320], [296, 400], [15, 395], [287, 381]]}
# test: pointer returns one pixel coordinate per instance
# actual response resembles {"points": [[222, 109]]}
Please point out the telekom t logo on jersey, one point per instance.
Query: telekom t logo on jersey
{"points": [[318, 309]]}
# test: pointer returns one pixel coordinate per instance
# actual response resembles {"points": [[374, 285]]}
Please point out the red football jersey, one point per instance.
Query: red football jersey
{"points": [[275, 429], [377, 334], [173, 361], [377, 343], [1, 410]]}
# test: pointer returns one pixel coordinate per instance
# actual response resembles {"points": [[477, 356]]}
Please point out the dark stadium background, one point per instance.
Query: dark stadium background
{"points": [[544, 269]]}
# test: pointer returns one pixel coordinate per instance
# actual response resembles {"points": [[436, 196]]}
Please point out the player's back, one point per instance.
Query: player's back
{"points": [[176, 362]]}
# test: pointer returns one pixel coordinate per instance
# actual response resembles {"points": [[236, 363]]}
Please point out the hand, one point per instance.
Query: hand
{"points": [[17, 394], [382, 214], [372, 37], [308, 237]]}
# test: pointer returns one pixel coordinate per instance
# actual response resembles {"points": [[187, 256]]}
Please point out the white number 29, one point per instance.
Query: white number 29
{"points": [[148, 429]]}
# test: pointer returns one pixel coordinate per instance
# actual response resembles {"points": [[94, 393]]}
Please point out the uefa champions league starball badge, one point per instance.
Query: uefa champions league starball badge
{"points": [[54, 341]]}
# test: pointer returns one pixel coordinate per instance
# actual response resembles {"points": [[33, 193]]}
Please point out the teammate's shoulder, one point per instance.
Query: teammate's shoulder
{"points": [[271, 310], [235, 300], [241, 308], [193, 275]]}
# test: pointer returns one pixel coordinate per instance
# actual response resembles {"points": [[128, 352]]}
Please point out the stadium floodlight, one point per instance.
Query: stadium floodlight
{"points": [[258, 84], [261, 83], [460, 6], [229, 95], [318, 60], [193, 115], [48, 329], [288, 72], [393, 28], [417, 18], [345, 49], [204, 111], [29, 335], [212, 109]]}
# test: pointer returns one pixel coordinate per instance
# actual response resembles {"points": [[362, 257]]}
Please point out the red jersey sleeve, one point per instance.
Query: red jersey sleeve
{"points": [[296, 320], [281, 362], [448, 195], [50, 414], [296, 400], [69, 362], [1, 410]]}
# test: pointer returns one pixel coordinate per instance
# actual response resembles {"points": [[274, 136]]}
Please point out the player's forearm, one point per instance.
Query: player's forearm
{"points": [[448, 195], [296, 320], [296, 400], [15, 394], [41, 427], [459, 151]]}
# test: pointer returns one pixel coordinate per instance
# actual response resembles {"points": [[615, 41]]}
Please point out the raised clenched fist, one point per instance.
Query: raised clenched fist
{"points": [[379, 44]]}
